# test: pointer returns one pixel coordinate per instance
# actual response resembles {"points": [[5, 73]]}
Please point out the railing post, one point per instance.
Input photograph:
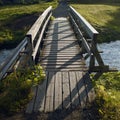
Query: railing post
{"points": [[31, 62], [92, 62]]}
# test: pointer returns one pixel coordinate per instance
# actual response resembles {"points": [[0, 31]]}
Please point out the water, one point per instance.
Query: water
{"points": [[111, 53]]}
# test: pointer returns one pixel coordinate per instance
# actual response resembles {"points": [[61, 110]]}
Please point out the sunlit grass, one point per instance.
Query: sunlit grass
{"points": [[104, 17], [108, 96]]}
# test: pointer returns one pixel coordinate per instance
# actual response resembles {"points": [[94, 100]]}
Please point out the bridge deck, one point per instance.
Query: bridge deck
{"points": [[67, 84]]}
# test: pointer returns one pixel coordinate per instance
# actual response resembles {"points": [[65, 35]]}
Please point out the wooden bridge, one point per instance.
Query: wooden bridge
{"points": [[61, 45]]}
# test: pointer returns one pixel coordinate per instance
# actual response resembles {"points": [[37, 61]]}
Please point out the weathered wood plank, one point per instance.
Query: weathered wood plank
{"points": [[62, 45], [40, 97], [70, 47], [62, 61], [65, 66], [51, 28], [73, 90], [50, 93], [67, 55], [58, 91], [53, 63], [89, 87], [67, 69], [61, 37], [64, 57], [81, 88], [61, 40], [62, 53], [66, 90]]}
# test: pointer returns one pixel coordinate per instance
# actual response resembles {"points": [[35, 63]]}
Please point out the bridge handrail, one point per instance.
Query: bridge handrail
{"points": [[12, 58], [39, 27], [81, 26], [86, 25]]}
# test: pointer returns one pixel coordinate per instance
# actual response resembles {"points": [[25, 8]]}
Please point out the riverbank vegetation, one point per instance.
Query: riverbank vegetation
{"points": [[16, 20], [107, 102], [15, 89], [104, 17]]}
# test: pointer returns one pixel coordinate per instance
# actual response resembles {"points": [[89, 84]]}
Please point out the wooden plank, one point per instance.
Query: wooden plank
{"points": [[66, 69], [62, 53], [50, 93], [61, 63], [81, 88], [60, 31], [89, 87], [63, 50], [61, 24], [40, 97], [58, 91], [73, 90], [60, 43], [61, 46], [66, 90], [64, 66], [74, 53], [59, 27], [30, 105], [61, 37], [61, 40], [67, 55]]}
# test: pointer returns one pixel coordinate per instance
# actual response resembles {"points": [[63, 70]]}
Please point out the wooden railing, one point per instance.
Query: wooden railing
{"points": [[87, 37], [25, 53], [35, 34]]}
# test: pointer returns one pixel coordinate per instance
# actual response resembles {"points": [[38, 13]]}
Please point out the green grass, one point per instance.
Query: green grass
{"points": [[15, 21], [108, 96], [15, 89], [104, 17]]}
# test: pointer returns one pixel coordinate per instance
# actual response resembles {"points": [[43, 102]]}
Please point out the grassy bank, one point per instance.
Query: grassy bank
{"points": [[107, 100], [104, 17], [15, 21], [15, 89]]}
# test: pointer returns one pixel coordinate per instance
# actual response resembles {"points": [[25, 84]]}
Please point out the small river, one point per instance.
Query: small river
{"points": [[110, 55]]}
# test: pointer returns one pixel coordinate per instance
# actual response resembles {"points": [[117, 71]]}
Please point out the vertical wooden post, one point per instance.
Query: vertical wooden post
{"points": [[30, 49], [92, 62]]}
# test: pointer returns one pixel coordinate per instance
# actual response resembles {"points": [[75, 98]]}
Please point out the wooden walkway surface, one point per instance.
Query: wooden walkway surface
{"points": [[67, 84]]}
